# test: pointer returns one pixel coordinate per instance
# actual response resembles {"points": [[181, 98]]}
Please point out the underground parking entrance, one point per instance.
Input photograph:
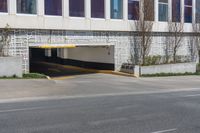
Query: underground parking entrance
{"points": [[65, 60]]}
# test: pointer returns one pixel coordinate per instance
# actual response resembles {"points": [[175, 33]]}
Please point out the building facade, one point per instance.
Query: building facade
{"points": [[98, 31]]}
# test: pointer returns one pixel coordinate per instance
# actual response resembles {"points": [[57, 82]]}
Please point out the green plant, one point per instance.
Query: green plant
{"points": [[27, 76], [198, 67], [14, 76], [169, 74], [34, 76], [152, 60]]}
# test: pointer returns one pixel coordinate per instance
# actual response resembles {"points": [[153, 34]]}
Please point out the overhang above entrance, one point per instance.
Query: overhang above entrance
{"points": [[51, 46]]}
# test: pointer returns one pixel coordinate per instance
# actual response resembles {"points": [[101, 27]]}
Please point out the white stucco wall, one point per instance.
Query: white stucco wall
{"points": [[65, 22], [11, 66], [90, 54], [169, 68]]}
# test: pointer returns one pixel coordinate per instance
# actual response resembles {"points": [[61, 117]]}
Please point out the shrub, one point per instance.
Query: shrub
{"points": [[169, 74], [34, 76], [152, 60], [158, 60]]}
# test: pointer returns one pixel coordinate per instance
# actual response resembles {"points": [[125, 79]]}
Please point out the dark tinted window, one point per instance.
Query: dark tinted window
{"points": [[53, 7], [76, 8], [133, 9], [3, 6], [26, 6], [116, 9], [163, 10], [176, 11], [198, 11], [97, 9], [188, 11]]}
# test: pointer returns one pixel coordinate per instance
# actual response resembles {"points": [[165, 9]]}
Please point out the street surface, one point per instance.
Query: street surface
{"points": [[177, 112], [100, 103]]}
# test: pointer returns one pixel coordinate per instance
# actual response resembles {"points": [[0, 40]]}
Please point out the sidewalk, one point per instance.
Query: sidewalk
{"points": [[93, 84]]}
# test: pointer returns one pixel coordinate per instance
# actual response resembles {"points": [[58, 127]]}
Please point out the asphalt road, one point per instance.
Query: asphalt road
{"points": [[99, 103], [169, 112]]}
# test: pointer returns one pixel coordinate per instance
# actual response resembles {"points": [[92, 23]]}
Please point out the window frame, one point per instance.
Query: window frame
{"points": [[175, 19], [165, 4], [188, 7], [28, 14], [50, 15], [7, 8], [197, 14], [135, 18], [84, 14], [121, 12], [104, 13]]}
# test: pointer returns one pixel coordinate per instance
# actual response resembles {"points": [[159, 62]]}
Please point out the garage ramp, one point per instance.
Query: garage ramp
{"points": [[99, 56]]}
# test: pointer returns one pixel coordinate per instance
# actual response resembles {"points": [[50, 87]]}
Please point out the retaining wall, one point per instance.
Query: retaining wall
{"points": [[169, 68], [10, 66]]}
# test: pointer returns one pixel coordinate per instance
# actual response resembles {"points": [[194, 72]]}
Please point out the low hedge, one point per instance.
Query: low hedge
{"points": [[169, 74], [27, 76]]}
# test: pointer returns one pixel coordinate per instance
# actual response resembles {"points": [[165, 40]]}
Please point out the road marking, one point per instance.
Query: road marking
{"points": [[165, 131], [106, 121], [194, 95], [64, 97], [22, 109], [125, 107]]}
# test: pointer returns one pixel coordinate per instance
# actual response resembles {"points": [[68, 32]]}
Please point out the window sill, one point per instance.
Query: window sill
{"points": [[28, 15]]}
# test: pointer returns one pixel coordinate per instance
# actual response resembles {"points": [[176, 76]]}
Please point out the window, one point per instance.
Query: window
{"points": [[133, 9], [188, 11], [163, 10], [198, 11], [3, 6], [26, 6], [149, 10], [116, 9], [97, 9], [176, 11], [76, 8], [53, 7]]}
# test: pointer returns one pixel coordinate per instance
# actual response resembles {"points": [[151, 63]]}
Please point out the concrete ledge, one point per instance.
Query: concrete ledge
{"points": [[10, 66], [169, 68], [130, 69]]}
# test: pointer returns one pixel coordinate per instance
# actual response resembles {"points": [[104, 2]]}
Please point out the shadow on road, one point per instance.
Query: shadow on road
{"points": [[55, 70]]}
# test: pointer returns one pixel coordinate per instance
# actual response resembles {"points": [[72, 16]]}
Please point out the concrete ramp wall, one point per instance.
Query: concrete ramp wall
{"points": [[10, 66]]}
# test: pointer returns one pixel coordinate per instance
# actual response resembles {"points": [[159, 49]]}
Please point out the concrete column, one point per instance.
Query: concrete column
{"points": [[48, 52], [62, 53], [170, 10], [12, 7], [40, 7], [156, 10], [193, 11], [65, 54], [65, 8], [58, 52], [107, 9], [88, 9], [182, 11], [125, 9]]}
